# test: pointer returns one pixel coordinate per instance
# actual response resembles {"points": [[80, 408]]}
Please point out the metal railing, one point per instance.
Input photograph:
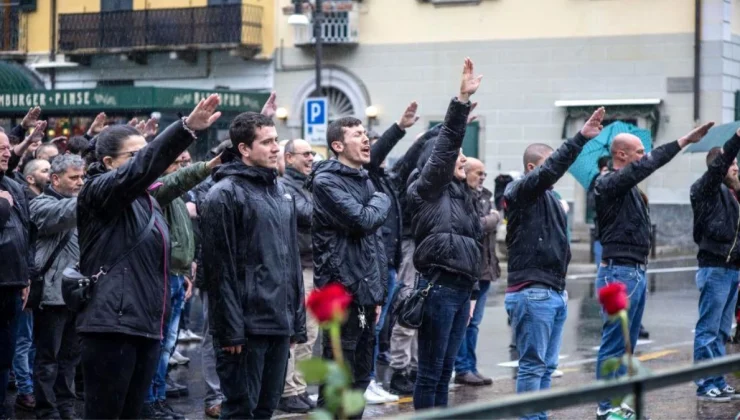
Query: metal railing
{"points": [[522, 404], [13, 29], [152, 29], [339, 26]]}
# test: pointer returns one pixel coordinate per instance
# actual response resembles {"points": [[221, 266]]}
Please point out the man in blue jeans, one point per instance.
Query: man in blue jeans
{"points": [[715, 205], [539, 254], [623, 217]]}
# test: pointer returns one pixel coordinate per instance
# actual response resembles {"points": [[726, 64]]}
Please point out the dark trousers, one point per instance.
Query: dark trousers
{"points": [[358, 345], [8, 309], [57, 357], [253, 380], [118, 370]]}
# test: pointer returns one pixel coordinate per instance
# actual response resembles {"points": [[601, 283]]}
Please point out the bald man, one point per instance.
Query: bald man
{"points": [[623, 218], [36, 174], [466, 367], [539, 254]]}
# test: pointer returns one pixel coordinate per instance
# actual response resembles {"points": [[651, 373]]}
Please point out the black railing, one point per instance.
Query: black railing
{"points": [[12, 29], [152, 29], [519, 405]]}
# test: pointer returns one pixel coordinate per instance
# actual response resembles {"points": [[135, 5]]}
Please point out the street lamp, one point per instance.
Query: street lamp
{"points": [[299, 19]]}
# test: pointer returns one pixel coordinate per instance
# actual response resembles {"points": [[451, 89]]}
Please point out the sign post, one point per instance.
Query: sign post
{"points": [[315, 120]]}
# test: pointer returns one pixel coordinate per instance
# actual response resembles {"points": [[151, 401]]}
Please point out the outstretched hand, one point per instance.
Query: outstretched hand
{"points": [[695, 135], [409, 116], [38, 132], [97, 125], [469, 83], [31, 118], [270, 107], [204, 114], [593, 126]]}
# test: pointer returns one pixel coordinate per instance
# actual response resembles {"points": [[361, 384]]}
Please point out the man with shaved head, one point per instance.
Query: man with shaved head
{"points": [[716, 231], [466, 369], [539, 254], [623, 217], [36, 174]]}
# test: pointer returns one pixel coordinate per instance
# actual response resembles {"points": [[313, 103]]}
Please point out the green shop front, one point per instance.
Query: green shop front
{"points": [[70, 112]]}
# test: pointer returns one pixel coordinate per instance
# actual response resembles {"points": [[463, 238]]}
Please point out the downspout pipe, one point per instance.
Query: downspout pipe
{"points": [[53, 44], [697, 60]]}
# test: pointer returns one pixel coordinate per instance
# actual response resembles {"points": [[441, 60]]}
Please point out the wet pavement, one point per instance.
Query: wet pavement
{"points": [[670, 316]]}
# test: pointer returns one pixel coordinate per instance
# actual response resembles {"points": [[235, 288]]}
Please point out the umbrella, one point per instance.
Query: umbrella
{"points": [[584, 169], [716, 137]]}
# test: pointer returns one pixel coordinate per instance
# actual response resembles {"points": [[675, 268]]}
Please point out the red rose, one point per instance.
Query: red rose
{"points": [[328, 303], [613, 297]]}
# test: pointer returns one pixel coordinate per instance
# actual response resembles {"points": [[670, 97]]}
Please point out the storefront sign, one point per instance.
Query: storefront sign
{"points": [[132, 99]]}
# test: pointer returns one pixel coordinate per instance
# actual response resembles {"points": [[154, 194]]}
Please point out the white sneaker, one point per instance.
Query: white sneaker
{"points": [[372, 398], [378, 390], [191, 336], [557, 374], [179, 358]]}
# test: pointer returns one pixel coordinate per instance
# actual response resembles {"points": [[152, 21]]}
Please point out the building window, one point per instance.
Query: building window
{"points": [[471, 140], [116, 5], [223, 2]]}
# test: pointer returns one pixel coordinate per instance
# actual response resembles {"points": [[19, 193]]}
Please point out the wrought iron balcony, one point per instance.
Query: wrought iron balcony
{"points": [[339, 25], [214, 27], [13, 31]]}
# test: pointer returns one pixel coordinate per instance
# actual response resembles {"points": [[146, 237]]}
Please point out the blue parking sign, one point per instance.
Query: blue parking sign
{"points": [[315, 120]]}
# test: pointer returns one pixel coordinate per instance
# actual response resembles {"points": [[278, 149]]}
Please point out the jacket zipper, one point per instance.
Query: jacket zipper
{"points": [[737, 229]]}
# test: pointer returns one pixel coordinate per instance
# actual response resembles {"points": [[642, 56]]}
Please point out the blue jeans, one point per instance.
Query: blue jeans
{"points": [[466, 360], [158, 389], [612, 341], [446, 313], [537, 318], [383, 313], [597, 253], [718, 288], [25, 351]]}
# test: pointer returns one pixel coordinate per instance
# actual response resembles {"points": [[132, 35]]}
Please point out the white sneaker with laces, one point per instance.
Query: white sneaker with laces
{"points": [[378, 389], [179, 358], [193, 336], [372, 398], [557, 374]]}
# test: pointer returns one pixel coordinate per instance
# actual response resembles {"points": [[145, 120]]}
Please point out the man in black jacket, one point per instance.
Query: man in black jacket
{"points": [[539, 254], [16, 247], [347, 242], [298, 165], [623, 217], [253, 271], [716, 210]]}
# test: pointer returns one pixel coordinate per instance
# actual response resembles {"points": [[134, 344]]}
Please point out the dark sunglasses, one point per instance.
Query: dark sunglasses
{"points": [[130, 154], [305, 154]]}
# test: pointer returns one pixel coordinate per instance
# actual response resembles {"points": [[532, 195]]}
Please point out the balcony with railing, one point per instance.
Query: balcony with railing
{"points": [[13, 31], [339, 25], [213, 27]]}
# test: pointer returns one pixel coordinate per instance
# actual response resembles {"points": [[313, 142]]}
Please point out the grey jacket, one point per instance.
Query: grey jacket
{"points": [[54, 215]]}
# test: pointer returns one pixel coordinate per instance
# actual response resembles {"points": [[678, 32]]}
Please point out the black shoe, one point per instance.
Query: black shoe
{"points": [[486, 380], [294, 404], [175, 390], [165, 408], [307, 399], [469, 378], [153, 412], [644, 334], [401, 384]]}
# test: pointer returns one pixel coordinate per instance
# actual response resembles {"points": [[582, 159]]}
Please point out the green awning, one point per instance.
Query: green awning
{"points": [[127, 99], [17, 77]]}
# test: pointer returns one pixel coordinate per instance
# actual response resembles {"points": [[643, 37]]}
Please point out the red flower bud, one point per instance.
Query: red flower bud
{"points": [[613, 298], [329, 302]]}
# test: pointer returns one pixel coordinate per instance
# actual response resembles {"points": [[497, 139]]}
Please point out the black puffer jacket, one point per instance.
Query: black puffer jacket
{"points": [[717, 213], [536, 233], [250, 257], [197, 195], [445, 222], [17, 238], [293, 182], [383, 182], [347, 243], [622, 211], [112, 209]]}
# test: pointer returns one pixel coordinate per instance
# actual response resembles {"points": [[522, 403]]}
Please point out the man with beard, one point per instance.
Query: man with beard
{"points": [[347, 242], [36, 174], [298, 165], [57, 350], [16, 247], [623, 217], [253, 271], [716, 231]]}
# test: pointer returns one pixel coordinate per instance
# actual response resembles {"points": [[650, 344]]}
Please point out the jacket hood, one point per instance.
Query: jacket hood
{"points": [[333, 166], [239, 169], [295, 174]]}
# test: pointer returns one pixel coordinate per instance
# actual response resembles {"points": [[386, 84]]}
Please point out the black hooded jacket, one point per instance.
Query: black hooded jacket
{"points": [[17, 237], [293, 182], [717, 213], [622, 212], [536, 233], [113, 207], [347, 242], [445, 222], [250, 256]]}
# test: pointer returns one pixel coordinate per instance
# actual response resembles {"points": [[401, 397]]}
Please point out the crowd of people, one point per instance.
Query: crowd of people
{"points": [[105, 238]]}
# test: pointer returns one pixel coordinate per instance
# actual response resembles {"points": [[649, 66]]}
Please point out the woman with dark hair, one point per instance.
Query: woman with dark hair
{"points": [[124, 240]]}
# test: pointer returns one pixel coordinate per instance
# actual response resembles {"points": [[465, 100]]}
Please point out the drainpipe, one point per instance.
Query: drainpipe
{"points": [[53, 46], [697, 60]]}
